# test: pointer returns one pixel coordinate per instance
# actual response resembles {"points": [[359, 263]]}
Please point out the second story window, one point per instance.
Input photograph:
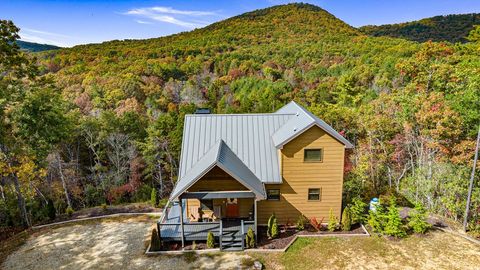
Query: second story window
{"points": [[313, 155], [314, 194], [273, 194]]}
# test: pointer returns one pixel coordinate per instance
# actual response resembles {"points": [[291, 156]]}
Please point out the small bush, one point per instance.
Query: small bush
{"points": [[155, 243], [301, 223], [210, 240], [357, 211], [394, 226], [51, 210], [104, 206], [250, 238], [272, 230], [153, 197], [69, 211], [346, 219], [418, 220], [332, 221], [315, 224], [194, 245]]}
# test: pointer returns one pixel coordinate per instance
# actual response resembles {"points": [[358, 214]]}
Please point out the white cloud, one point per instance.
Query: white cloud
{"points": [[184, 18], [143, 22], [43, 32]]}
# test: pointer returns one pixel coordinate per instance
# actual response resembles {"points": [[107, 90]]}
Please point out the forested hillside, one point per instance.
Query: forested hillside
{"points": [[35, 47], [452, 28], [102, 123]]}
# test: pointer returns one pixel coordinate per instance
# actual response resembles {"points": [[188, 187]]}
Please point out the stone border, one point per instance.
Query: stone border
{"points": [[366, 234], [97, 217]]}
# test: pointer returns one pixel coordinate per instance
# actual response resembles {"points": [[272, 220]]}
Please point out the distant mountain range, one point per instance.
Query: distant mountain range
{"points": [[452, 28], [35, 47]]}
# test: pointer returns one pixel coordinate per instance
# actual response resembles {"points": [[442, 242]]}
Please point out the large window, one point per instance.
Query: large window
{"points": [[273, 194], [314, 194], [313, 155]]}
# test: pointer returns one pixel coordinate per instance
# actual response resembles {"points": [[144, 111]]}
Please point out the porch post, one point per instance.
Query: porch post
{"points": [[255, 217], [181, 222]]}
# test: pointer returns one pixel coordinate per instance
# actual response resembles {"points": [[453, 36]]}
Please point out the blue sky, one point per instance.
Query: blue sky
{"points": [[68, 23]]}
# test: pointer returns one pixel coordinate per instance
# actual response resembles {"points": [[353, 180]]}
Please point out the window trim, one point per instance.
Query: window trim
{"points": [[319, 194], [270, 199], [313, 161]]}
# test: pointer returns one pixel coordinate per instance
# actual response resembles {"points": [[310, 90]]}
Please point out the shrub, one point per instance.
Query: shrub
{"points": [[346, 219], [194, 245], [301, 223], [332, 221], [272, 230], [210, 240], [104, 206], [51, 210], [377, 219], [69, 211], [418, 220], [315, 224], [250, 239], [357, 211], [153, 197], [155, 243], [394, 226]]}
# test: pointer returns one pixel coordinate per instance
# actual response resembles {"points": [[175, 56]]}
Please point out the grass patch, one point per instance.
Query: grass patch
{"points": [[247, 262], [190, 257]]}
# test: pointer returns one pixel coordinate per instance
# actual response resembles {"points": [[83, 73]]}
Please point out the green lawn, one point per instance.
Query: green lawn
{"points": [[436, 250]]}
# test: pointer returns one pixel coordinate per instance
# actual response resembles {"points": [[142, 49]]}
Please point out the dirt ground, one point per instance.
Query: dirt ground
{"points": [[436, 250], [120, 244], [108, 244]]}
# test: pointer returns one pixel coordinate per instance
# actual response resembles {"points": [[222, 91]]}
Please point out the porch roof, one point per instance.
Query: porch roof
{"points": [[222, 156], [218, 194]]}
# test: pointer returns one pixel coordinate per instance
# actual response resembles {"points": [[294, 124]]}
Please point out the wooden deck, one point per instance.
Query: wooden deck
{"points": [[170, 229]]}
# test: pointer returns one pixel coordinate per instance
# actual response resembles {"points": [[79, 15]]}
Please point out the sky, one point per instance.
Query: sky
{"points": [[68, 23]]}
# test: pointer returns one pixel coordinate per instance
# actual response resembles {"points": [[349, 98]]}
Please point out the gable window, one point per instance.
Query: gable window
{"points": [[273, 194], [314, 194], [313, 155]]}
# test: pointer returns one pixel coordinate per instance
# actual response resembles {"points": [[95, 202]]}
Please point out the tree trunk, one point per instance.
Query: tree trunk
{"points": [[2, 192], [20, 200], [64, 183]]}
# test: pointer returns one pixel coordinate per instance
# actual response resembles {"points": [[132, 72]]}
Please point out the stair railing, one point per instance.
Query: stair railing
{"points": [[243, 235], [220, 236]]}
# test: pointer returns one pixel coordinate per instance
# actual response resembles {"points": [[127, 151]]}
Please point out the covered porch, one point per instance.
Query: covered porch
{"points": [[218, 195]]}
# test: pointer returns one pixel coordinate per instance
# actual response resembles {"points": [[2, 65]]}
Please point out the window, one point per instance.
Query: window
{"points": [[314, 194], [206, 204], [313, 155], [273, 194]]}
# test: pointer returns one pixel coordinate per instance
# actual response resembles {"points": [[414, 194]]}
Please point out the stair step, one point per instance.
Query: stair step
{"points": [[232, 244], [232, 249]]}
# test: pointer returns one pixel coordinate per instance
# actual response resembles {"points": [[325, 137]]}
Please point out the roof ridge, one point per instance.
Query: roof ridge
{"points": [[237, 114]]}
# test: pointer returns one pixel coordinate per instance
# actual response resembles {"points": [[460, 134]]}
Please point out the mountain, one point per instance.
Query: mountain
{"points": [[35, 47], [452, 28]]}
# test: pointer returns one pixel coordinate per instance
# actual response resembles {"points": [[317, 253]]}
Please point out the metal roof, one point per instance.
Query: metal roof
{"points": [[222, 156], [252, 141], [302, 121], [249, 136]]}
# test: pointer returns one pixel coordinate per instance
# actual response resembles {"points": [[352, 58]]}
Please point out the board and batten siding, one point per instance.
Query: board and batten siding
{"points": [[299, 176]]}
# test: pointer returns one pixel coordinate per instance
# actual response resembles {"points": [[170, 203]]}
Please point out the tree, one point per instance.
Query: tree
{"points": [[346, 219], [250, 238], [272, 227], [394, 226], [357, 210], [210, 240], [418, 219], [153, 197]]}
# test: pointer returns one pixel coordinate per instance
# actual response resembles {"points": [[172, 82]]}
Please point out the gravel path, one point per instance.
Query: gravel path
{"points": [[106, 244]]}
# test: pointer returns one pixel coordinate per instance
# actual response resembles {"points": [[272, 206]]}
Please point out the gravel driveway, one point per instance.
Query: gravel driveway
{"points": [[106, 244]]}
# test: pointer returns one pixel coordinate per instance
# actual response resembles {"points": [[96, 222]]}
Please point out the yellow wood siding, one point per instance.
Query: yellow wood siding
{"points": [[218, 180], [299, 176]]}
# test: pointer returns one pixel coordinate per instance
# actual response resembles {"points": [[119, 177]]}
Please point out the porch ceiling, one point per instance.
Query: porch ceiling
{"points": [[218, 195]]}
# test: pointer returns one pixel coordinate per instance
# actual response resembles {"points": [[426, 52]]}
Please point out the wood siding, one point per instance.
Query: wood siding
{"points": [[218, 180], [299, 176]]}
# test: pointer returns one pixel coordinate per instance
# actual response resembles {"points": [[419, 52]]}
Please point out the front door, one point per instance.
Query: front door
{"points": [[232, 208]]}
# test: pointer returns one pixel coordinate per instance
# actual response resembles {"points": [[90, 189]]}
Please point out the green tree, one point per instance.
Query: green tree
{"points": [[153, 197], [418, 219], [332, 221], [272, 227], [394, 226], [346, 219], [210, 240]]}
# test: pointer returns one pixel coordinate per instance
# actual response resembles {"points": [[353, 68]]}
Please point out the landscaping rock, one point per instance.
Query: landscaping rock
{"points": [[257, 265]]}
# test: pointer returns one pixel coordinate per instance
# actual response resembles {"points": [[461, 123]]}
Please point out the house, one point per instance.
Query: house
{"points": [[238, 169]]}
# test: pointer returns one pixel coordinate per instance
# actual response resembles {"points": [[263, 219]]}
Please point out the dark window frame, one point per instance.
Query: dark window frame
{"points": [[270, 198], [313, 149], [311, 192]]}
